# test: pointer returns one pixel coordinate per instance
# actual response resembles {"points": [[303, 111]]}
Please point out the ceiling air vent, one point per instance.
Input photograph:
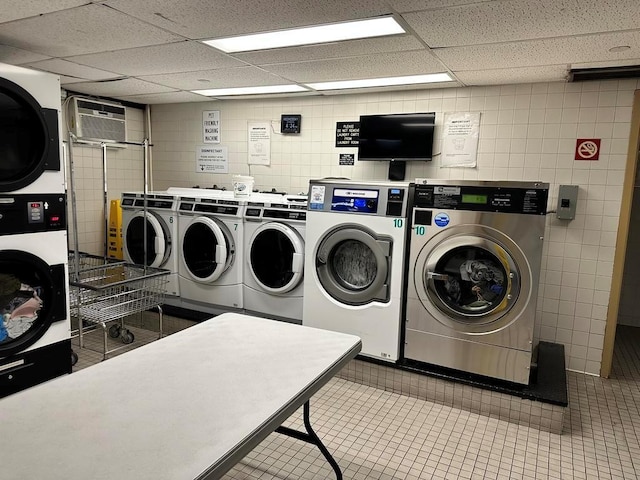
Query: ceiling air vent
{"points": [[99, 121], [607, 73]]}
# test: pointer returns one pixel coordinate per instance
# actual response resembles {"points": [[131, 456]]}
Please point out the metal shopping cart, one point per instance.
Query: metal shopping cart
{"points": [[107, 291]]}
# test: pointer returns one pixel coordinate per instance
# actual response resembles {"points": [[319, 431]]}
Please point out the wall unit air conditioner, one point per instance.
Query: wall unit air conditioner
{"points": [[98, 121]]}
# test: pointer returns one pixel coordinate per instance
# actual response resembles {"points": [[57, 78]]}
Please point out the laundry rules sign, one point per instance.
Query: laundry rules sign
{"points": [[347, 134], [211, 126]]}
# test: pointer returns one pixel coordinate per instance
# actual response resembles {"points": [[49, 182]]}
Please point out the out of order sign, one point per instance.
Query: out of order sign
{"points": [[587, 149]]}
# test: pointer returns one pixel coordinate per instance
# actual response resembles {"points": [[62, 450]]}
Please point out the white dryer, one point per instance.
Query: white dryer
{"points": [[354, 260], [160, 241], [210, 232], [35, 341], [274, 232], [30, 120]]}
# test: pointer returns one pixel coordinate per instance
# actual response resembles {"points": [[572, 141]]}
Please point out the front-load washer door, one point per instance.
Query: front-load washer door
{"points": [[158, 240], [353, 265], [473, 283], [32, 297], [207, 249], [276, 257], [29, 138]]}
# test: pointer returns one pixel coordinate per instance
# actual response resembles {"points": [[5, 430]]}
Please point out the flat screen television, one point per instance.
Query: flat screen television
{"points": [[396, 137]]}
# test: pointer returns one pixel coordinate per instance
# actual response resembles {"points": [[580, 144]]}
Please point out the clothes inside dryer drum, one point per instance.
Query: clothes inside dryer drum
{"points": [[136, 244], [272, 258], [20, 305]]}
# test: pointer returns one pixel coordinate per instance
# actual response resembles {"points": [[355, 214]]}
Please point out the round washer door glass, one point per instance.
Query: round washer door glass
{"points": [[206, 250], [28, 138], [276, 257], [31, 298], [157, 244], [353, 265]]}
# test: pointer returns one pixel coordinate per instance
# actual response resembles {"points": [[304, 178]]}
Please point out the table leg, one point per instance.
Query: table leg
{"points": [[311, 437]]}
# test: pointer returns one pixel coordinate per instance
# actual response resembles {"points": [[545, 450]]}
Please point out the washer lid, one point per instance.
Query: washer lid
{"points": [[353, 265], [29, 138], [32, 297], [158, 240], [276, 257], [207, 249]]}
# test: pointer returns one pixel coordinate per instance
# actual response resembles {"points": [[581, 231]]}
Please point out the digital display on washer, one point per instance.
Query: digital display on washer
{"points": [[477, 199], [355, 200]]}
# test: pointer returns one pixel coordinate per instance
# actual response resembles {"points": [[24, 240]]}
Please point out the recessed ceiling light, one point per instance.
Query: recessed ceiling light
{"points": [[223, 92], [334, 32], [382, 82], [619, 48]]}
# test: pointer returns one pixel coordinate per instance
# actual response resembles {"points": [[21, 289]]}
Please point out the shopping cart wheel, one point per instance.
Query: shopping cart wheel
{"points": [[74, 358], [127, 337], [114, 331]]}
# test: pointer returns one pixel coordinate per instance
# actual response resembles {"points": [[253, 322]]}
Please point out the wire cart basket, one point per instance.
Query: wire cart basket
{"points": [[106, 291]]}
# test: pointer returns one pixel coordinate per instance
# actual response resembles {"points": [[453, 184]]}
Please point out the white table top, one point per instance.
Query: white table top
{"points": [[188, 406]]}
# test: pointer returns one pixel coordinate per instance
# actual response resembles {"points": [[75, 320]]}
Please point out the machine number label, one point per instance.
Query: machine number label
{"points": [[398, 222], [235, 226], [420, 230], [170, 219]]}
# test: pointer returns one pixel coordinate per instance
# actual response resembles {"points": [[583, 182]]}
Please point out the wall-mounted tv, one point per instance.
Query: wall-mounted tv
{"points": [[396, 137]]}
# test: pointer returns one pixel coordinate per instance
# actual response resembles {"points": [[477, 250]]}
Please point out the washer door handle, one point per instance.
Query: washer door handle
{"points": [[297, 263], [221, 254], [442, 277]]}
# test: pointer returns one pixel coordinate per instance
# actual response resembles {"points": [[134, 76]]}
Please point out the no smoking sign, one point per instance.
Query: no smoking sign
{"points": [[587, 149]]}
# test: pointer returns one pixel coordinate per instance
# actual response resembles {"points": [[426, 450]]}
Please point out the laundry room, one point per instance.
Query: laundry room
{"points": [[468, 288]]}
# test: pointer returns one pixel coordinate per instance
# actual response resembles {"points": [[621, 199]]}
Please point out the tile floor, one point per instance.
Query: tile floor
{"points": [[374, 434]]}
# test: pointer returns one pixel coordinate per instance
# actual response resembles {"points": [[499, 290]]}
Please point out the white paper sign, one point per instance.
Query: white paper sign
{"points": [[212, 159], [460, 139], [259, 151], [211, 126]]}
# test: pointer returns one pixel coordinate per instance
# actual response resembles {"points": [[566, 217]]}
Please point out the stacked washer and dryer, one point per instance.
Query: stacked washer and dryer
{"points": [[35, 341]]}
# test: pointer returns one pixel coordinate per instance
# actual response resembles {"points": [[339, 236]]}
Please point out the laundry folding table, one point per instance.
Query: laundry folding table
{"points": [[188, 406]]}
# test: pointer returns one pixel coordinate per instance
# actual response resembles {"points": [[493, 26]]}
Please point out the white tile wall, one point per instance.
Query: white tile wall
{"points": [[528, 132], [125, 172]]}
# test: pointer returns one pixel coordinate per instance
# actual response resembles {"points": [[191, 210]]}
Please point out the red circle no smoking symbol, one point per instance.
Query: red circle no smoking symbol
{"points": [[587, 149]]}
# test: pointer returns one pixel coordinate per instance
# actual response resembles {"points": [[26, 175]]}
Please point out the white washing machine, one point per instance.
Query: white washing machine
{"points": [[210, 232], [35, 341], [473, 274], [354, 261], [274, 232], [161, 222], [30, 122]]}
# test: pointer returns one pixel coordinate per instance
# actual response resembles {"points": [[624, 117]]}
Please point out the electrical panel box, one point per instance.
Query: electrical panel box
{"points": [[567, 202]]}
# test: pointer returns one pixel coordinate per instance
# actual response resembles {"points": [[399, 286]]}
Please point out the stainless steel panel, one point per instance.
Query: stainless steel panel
{"points": [[489, 360]]}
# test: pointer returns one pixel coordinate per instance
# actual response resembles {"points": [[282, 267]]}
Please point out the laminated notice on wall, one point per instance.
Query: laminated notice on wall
{"points": [[460, 139], [211, 126], [259, 148], [212, 159]]}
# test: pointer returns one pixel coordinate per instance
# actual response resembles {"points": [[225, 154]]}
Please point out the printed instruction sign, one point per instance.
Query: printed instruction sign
{"points": [[347, 159], [212, 159], [211, 126], [347, 134], [259, 148], [460, 139], [587, 149]]}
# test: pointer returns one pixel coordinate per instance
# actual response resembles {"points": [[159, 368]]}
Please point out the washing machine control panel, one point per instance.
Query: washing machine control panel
{"points": [[525, 200], [31, 213]]}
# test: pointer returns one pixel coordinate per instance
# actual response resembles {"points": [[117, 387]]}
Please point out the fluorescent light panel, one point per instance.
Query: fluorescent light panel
{"points": [[335, 32], [223, 92], [381, 82]]}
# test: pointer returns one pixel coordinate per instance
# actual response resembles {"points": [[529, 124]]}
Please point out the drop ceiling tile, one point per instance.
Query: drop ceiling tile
{"points": [[509, 20], [126, 86], [554, 73], [198, 19], [177, 57], [70, 69], [159, 98], [394, 88], [554, 51], [349, 48], [17, 56], [367, 66], [616, 63], [16, 9], [66, 81], [232, 77], [415, 5], [88, 29]]}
